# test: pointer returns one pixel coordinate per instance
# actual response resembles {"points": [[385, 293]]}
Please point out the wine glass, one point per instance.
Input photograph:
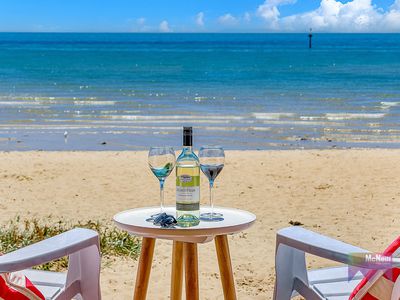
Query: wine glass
{"points": [[212, 159], [161, 162]]}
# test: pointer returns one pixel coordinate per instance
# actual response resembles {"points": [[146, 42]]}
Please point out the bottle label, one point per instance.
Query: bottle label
{"points": [[188, 189]]}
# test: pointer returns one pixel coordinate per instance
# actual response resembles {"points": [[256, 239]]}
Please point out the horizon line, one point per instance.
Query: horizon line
{"points": [[196, 32]]}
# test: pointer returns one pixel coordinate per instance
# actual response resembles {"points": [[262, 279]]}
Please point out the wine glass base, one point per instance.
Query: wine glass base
{"points": [[211, 217]]}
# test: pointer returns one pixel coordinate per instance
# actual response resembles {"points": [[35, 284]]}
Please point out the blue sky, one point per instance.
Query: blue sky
{"points": [[200, 15]]}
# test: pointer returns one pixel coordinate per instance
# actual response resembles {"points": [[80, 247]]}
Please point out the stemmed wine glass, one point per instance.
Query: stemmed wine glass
{"points": [[161, 162], [212, 159]]}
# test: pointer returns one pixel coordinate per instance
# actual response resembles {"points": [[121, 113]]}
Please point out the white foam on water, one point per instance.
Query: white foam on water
{"points": [[311, 118], [195, 121], [123, 132], [103, 120], [273, 116], [363, 138], [260, 128], [106, 112], [25, 98], [300, 122], [61, 128], [89, 126], [173, 117], [91, 102], [45, 100], [20, 103], [389, 104], [353, 116], [199, 99], [131, 111], [235, 128]]}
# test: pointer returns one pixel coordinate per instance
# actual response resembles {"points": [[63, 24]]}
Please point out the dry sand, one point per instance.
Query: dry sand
{"points": [[352, 195]]}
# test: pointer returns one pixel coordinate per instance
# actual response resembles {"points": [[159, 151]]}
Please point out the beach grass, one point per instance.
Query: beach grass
{"points": [[19, 233]]}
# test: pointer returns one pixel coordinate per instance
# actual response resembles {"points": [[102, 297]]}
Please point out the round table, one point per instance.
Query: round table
{"points": [[184, 250]]}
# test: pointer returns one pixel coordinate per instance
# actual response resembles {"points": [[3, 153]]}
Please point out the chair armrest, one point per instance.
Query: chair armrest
{"points": [[50, 249], [320, 245]]}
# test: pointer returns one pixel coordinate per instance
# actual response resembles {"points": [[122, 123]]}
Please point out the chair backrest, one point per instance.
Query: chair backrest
{"points": [[16, 286], [396, 290], [379, 284]]}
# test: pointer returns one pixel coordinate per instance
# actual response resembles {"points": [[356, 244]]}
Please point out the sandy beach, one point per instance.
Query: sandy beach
{"points": [[348, 194]]}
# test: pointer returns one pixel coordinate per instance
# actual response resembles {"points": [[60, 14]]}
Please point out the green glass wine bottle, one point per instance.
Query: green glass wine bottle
{"points": [[187, 183]]}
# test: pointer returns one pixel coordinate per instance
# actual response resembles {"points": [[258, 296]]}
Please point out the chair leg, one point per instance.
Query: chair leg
{"points": [[290, 265], [177, 271], [225, 267], [191, 271], [83, 275], [144, 268]]}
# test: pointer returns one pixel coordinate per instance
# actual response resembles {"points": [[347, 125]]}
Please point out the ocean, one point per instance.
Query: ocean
{"points": [[242, 91]]}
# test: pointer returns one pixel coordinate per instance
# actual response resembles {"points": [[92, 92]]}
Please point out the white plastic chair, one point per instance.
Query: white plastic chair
{"points": [[83, 275], [292, 277]]}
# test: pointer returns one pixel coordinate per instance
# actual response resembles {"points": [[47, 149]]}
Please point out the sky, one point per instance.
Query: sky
{"points": [[199, 15]]}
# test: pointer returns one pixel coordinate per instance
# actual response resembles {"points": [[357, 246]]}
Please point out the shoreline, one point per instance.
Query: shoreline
{"points": [[109, 148]]}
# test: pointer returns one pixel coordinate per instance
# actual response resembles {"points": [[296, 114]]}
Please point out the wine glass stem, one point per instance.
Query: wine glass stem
{"points": [[211, 197], [162, 194]]}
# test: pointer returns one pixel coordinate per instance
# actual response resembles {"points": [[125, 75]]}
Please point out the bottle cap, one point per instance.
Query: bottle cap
{"points": [[187, 136]]}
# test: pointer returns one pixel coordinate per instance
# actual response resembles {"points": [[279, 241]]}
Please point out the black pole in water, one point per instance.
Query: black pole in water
{"points": [[310, 39]]}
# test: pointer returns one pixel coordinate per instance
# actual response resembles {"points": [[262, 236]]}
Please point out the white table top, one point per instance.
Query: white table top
{"points": [[134, 221]]}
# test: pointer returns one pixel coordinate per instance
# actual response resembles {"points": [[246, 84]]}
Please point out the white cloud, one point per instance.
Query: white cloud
{"points": [[227, 20], [200, 19], [391, 21], [334, 16], [269, 11], [164, 27], [396, 5], [139, 25], [247, 16], [140, 21]]}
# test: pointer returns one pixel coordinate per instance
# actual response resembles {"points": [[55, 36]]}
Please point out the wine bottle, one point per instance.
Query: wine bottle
{"points": [[187, 183]]}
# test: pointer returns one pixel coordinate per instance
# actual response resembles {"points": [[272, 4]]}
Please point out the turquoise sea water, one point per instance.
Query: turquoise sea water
{"points": [[241, 91]]}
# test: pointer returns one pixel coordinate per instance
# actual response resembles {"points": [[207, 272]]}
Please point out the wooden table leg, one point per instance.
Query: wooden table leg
{"points": [[225, 267], [191, 271], [144, 268], [177, 270]]}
